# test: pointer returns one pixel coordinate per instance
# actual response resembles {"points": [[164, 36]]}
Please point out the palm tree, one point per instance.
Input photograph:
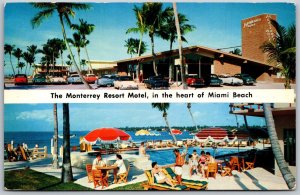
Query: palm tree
{"points": [[61, 47], [140, 28], [28, 58], [64, 10], [78, 43], [189, 106], [55, 164], [66, 174], [83, 63], [133, 46], [163, 107], [155, 16], [282, 51], [85, 29], [32, 49], [21, 65], [18, 54], [170, 31], [47, 58], [236, 51], [69, 62], [180, 47], [283, 167], [8, 49]]}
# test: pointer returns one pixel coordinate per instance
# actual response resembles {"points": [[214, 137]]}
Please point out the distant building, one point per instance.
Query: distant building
{"points": [[285, 123], [57, 70], [103, 67]]}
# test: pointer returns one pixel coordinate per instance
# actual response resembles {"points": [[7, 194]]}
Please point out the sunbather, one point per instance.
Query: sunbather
{"points": [[202, 162], [159, 175]]}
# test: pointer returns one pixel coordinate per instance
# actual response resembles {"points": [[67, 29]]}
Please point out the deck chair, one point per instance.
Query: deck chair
{"points": [[235, 164], [192, 184], [24, 156], [88, 168], [226, 170], [250, 165], [99, 178], [123, 176], [212, 168], [152, 184]]}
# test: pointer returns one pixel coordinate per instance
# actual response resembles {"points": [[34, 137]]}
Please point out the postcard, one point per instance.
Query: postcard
{"points": [[150, 96]]}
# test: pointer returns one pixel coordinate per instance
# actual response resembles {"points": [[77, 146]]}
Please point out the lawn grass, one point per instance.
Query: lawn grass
{"points": [[132, 187], [27, 179]]}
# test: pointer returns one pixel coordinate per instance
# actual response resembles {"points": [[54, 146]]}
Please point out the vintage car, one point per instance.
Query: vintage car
{"points": [[57, 80], [215, 81], [247, 79], [156, 82], [106, 80], [193, 80], [230, 80], [39, 79], [74, 79], [90, 78], [125, 82], [20, 79]]}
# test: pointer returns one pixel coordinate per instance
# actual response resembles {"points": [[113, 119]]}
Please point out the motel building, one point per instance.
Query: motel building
{"points": [[57, 70], [204, 61], [285, 123]]}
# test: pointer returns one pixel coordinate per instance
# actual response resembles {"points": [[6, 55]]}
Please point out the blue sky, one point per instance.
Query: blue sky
{"points": [[39, 117], [217, 26]]}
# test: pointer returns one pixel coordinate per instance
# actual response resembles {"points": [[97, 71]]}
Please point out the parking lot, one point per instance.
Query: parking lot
{"points": [[258, 85]]}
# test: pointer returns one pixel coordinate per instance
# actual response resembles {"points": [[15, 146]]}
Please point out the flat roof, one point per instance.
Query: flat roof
{"points": [[260, 112], [201, 50]]}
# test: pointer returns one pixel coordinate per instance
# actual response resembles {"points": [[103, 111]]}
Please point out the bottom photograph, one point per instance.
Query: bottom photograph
{"points": [[149, 146]]}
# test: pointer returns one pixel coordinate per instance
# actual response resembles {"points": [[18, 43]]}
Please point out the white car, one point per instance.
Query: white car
{"points": [[230, 80], [125, 82], [57, 80]]}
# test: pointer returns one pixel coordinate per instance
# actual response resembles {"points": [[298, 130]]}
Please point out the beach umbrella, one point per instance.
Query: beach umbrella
{"points": [[142, 132], [107, 135], [176, 132]]}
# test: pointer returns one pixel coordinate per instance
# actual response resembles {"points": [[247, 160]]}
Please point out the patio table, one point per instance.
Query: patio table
{"points": [[239, 160], [108, 168]]}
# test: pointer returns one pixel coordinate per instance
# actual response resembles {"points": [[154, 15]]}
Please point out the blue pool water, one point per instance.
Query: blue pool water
{"points": [[165, 157]]}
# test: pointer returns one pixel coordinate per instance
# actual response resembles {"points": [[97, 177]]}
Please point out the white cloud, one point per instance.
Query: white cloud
{"points": [[45, 115]]}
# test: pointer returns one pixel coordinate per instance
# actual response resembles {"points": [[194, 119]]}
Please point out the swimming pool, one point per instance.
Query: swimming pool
{"points": [[165, 157]]}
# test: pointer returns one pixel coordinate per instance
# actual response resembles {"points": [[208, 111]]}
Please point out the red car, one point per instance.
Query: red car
{"points": [[21, 79], [90, 78], [194, 81]]}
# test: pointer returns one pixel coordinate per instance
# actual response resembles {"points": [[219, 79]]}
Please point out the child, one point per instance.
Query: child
{"points": [[193, 164]]}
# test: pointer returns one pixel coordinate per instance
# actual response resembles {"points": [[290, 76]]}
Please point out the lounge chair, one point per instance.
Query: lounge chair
{"points": [[227, 170], [152, 184], [243, 144], [197, 185], [88, 168]]}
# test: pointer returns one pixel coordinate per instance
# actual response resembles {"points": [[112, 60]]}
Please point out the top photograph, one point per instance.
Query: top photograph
{"points": [[138, 46]]}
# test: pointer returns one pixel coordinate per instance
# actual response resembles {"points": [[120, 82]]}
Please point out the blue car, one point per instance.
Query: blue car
{"points": [[74, 79], [106, 80]]}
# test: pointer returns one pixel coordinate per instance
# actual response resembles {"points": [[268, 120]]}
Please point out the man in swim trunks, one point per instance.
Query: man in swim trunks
{"points": [[179, 162]]}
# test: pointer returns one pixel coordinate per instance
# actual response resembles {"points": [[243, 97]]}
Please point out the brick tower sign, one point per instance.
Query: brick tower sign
{"points": [[255, 31]]}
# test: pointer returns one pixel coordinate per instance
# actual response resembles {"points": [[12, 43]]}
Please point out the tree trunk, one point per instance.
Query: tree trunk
{"points": [[193, 119], [153, 56], [287, 84], [26, 67], [55, 164], [71, 54], [171, 68], [12, 65], [283, 167], [66, 174], [78, 52], [88, 57], [139, 54], [18, 66], [62, 58], [168, 125], [182, 65]]}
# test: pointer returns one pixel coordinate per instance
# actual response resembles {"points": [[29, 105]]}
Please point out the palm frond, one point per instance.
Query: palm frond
{"points": [[38, 19]]}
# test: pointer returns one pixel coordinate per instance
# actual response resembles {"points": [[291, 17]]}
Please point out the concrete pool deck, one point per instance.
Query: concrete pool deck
{"points": [[255, 179]]}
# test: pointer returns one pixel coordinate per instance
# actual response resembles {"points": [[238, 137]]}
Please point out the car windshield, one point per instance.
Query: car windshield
{"points": [[90, 75], [75, 75], [20, 76], [38, 76], [193, 76], [245, 75], [126, 78]]}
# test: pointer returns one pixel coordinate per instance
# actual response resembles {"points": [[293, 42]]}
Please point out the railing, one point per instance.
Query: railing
{"points": [[38, 152]]}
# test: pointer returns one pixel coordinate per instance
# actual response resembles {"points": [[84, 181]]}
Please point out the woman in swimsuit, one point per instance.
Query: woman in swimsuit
{"points": [[159, 175]]}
